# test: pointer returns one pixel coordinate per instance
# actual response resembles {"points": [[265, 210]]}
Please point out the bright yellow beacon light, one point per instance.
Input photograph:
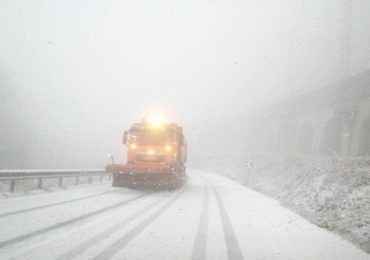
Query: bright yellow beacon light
{"points": [[168, 148], [151, 152], [156, 120], [133, 146]]}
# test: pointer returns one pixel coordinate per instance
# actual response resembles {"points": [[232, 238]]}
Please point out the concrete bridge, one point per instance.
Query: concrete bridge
{"points": [[334, 120]]}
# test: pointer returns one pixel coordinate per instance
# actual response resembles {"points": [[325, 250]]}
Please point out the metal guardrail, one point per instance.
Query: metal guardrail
{"points": [[16, 175]]}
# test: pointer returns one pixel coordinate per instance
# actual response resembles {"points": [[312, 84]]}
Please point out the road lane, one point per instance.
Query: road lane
{"points": [[211, 217]]}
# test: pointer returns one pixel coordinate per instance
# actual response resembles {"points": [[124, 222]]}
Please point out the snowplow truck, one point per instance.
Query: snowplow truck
{"points": [[156, 156]]}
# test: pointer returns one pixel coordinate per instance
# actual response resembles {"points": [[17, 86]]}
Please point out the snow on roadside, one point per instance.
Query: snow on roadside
{"points": [[331, 192]]}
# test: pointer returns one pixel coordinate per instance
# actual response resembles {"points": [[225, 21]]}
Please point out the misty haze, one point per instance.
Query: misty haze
{"points": [[184, 129]]}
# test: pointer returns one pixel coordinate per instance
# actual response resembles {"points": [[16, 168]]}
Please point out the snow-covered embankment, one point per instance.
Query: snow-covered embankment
{"points": [[331, 192]]}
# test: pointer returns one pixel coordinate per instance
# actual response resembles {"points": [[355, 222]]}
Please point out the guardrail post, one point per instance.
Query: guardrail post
{"points": [[38, 177], [12, 186], [39, 184]]}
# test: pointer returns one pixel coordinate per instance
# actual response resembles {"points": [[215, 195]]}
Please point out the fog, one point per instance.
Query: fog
{"points": [[75, 74]]}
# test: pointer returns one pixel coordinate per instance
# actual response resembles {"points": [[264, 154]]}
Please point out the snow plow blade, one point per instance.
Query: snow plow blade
{"points": [[154, 176], [132, 168]]}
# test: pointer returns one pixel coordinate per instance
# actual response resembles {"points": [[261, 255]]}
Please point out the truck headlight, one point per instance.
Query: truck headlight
{"points": [[168, 148]]}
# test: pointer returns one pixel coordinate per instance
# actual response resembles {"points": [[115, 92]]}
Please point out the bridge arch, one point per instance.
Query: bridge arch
{"points": [[305, 139], [364, 142], [331, 137], [286, 136]]}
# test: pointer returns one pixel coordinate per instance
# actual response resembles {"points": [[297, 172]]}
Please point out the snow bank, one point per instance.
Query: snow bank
{"points": [[331, 192]]}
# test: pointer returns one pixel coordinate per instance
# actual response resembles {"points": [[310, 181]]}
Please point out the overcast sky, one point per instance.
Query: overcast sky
{"points": [[83, 70]]}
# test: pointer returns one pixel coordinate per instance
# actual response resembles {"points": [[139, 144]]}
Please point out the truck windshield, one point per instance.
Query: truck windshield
{"points": [[151, 137]]}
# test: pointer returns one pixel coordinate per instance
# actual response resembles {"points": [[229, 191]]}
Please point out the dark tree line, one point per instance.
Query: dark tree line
{"points": [[14, 135]]}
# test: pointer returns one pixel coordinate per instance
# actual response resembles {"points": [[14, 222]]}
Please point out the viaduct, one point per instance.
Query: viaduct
{"points": [[333, 120]]}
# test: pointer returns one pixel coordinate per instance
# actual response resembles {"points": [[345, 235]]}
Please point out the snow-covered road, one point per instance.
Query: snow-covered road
{"points": [[211, 217]]}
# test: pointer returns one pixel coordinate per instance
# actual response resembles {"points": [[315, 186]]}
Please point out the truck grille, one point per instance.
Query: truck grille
{"points": [[155, 158]]}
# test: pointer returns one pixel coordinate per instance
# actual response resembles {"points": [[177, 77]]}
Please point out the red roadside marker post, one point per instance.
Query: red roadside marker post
{"points": [[248, 166]]}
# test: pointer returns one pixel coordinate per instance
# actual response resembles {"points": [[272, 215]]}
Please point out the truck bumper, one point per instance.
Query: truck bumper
{"points": [[144, 176]]}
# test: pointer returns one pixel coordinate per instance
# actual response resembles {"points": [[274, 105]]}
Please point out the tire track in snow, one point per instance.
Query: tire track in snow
{"points": [[53, 204], [21, 238], [110, 251], [106, 233], [199, 248], [231, 241]]}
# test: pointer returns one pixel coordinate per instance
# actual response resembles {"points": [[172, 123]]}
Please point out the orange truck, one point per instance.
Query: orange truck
{"points": [[156, 156]]}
